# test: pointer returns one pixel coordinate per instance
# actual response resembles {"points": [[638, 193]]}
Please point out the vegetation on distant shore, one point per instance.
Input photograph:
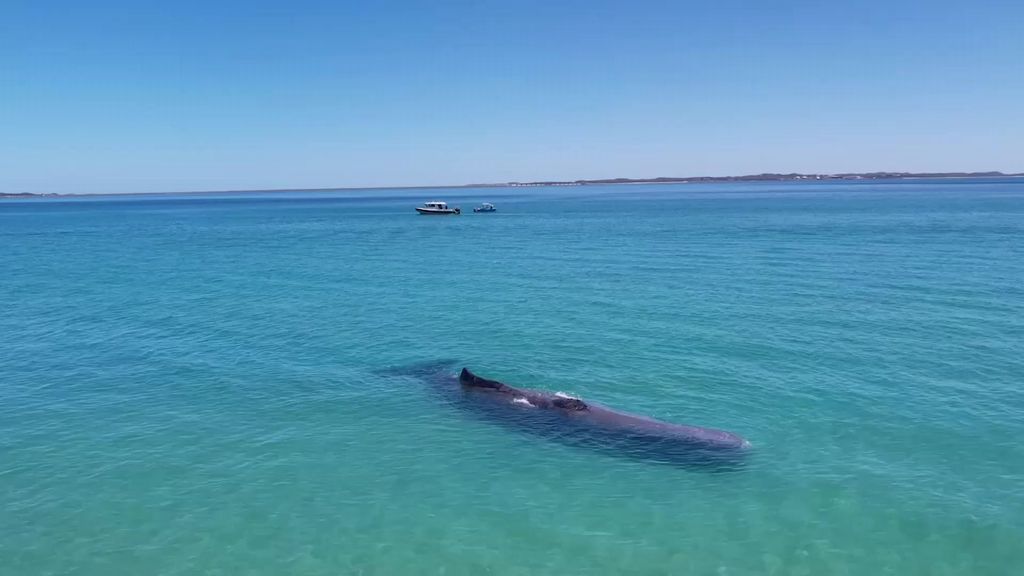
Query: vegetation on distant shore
{"points": [[767, 177], [662, 180]]}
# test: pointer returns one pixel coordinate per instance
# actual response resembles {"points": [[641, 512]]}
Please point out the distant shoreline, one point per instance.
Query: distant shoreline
{"points": [[767, 177], [772, 177]]}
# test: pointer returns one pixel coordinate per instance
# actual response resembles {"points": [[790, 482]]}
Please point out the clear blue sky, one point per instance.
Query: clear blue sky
{"points": [[165, 96]]}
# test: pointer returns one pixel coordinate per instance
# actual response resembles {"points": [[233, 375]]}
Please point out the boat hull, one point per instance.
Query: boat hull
{"points": [[438, 212]]}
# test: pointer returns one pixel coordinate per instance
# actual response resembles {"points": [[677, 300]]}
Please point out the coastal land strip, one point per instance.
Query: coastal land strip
{"points": [[766, 177]]}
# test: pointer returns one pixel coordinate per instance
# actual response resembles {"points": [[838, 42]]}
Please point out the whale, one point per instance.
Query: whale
{"points": [[583, 423]]}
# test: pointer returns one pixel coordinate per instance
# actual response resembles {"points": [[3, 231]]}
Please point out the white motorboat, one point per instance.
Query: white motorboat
{"points": [[436, 207]]}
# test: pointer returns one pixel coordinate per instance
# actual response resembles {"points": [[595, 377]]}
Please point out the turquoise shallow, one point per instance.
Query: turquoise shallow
{"points": [[190, 384]]}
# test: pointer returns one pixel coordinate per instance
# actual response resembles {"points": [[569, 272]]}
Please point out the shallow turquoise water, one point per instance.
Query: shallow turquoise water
{"points": [[188, 384]]}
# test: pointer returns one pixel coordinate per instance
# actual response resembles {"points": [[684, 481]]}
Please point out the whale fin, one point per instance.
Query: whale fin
{"points": [[467, 378]]}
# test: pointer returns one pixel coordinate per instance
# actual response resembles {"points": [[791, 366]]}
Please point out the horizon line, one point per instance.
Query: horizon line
{"points": [[761, 177]]}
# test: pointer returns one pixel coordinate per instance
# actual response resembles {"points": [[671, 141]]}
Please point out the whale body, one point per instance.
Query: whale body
{"points": [[583, 423]]}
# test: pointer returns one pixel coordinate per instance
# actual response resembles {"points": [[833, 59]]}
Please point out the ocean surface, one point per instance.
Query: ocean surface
{"points": [[193, 384]]}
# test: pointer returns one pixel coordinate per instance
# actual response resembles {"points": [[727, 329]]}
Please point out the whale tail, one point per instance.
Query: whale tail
{"points": [[420, 369]]}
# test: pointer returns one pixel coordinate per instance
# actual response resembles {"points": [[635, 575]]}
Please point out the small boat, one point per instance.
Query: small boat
{"points": [[485, 207], [437, 208]]}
